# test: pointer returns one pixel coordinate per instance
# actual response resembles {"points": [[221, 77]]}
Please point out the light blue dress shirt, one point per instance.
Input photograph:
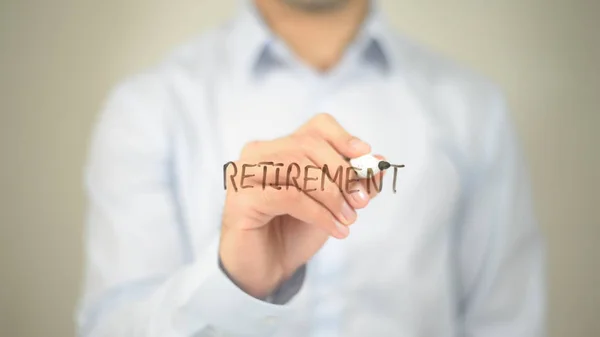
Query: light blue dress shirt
{"points": [[455, 251]]}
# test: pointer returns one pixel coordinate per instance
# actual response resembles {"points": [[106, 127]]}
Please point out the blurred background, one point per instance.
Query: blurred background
{"points": [[59, 58]]}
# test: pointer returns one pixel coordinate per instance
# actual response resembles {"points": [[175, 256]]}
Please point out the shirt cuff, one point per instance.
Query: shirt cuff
{"points": [[285, 292], [223, 306], [289, 288]]}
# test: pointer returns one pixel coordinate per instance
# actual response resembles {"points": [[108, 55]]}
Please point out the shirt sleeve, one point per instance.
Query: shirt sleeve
{"points": [[501, 250], [139, 281]]}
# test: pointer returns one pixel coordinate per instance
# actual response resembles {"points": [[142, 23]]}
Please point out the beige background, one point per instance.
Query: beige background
{"points": [[58, 59]]}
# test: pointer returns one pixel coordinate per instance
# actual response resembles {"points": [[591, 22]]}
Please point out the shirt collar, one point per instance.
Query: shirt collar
{"points": [[252, 42]]}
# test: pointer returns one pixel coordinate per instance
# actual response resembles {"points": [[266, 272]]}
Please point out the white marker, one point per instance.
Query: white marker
{"points": [[366, 162]]}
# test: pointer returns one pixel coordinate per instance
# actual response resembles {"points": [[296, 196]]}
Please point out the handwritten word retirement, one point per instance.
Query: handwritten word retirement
{"points": [[293, 173]]}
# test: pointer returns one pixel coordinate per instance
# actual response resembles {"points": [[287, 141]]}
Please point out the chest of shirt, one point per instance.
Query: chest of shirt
{"points": [[402, 240]]}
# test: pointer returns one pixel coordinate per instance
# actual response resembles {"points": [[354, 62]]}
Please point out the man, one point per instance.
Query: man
{"points": [[450, 249]]}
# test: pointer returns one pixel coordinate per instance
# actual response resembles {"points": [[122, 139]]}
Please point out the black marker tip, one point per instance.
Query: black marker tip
{"points": [[383, 165]]}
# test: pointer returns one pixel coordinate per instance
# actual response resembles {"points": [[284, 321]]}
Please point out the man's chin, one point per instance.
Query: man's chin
{"points": [[316, 6]]}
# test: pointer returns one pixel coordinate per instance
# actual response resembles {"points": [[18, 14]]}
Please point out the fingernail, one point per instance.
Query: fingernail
{"points": [[361, 195], [342, 230], [348, 213], [360, 146]]}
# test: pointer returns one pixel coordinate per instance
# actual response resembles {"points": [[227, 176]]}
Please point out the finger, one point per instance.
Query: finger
{"points": [[277, 171], [327, 127], [373, 185], [267, 163], [368, 188], [299, 172], [334, 169], [289, 170], [302, 207], [311, 179], [327, 168]]}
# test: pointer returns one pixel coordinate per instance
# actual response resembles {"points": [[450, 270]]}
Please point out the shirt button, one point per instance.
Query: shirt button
{"points": [[270, 320]]}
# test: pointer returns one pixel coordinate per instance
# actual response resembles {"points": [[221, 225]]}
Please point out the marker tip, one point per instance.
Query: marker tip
{"points": [[383, 165]]}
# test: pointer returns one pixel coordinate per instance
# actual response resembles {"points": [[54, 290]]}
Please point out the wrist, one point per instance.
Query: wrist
{"points": [[252, 278]]}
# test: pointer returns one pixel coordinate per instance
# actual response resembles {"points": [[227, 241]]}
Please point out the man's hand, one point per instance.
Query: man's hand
{"points": [[267, 234]]}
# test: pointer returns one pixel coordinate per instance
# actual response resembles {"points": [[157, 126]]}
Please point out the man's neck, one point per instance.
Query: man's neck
{"points": [[318, 38]]}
